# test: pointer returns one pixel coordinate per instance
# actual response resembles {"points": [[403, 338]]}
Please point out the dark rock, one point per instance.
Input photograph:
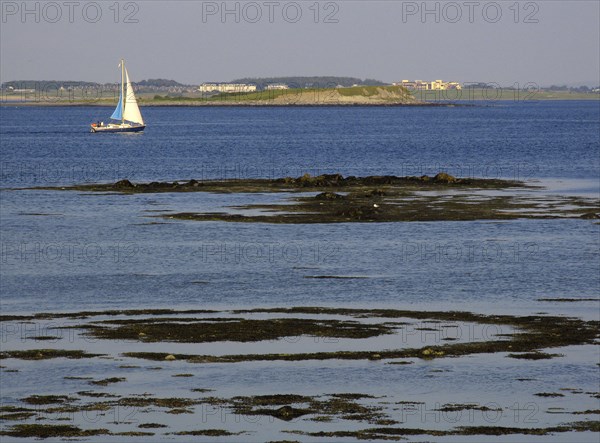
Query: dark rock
{"points": [[288, 413], [376, 193], [332, 178], [123, 184], [306, 179], [442, 177], [380, 180], [329, 196], [320, 180], [590, 216], [360, 212]]}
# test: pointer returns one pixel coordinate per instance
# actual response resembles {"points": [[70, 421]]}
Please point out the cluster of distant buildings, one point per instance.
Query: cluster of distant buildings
{"points": [[226, 87], [172, 87], [238, 87], [28, 87], [418, 85], [176, 89], [206, 88], [436, 85]]}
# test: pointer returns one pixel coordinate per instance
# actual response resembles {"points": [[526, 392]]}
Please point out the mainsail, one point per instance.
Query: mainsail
{"points": [[132, 111], [127, 108]]}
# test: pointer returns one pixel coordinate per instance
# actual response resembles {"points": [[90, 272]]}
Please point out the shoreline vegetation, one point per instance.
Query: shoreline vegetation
{"points": [[340, 199], [346, 96]]}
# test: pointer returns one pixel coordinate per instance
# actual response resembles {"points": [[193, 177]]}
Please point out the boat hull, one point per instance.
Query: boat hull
{"points": [[117, 128]]}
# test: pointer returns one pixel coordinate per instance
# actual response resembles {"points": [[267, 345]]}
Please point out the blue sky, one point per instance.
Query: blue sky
{"points": [[508, 42]]}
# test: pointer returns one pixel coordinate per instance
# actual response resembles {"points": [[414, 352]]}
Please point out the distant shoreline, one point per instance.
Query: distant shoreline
{"points": [[200, 104], [176, 104], [332, 97], [325, 97]]}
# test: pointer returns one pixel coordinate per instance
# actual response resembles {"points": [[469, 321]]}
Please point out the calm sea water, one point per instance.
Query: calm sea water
{"points": [[511, 140], [70, 251]]}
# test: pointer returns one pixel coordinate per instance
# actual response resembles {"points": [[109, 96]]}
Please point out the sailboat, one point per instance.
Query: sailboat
{"points": [[127, 110]]}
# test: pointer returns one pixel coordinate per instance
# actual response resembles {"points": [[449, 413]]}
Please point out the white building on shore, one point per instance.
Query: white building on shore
{"points": [[277, 87], [436, 85], [226, 87]]}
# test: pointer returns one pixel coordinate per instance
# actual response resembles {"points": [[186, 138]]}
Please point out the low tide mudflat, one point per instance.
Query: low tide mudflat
{"points": [[164, 374], [333, 198], [377, 374]]}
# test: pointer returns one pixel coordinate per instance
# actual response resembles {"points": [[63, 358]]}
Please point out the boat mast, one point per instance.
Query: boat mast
{"points": [[123, 91]]}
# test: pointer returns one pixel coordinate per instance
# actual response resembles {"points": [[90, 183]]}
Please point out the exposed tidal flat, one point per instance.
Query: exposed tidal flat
{"points": [[136, 369], [139, 394], [367, 199], [147, 295]]}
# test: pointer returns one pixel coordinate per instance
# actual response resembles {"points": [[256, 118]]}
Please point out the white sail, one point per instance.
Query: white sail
{"points": [[131, 111]]}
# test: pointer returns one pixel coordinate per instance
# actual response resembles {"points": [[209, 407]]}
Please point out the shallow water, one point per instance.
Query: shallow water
{"points": [[72, 251]]}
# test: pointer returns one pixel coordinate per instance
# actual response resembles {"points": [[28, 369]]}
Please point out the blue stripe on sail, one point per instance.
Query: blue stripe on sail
{"points": [[118, 114]]}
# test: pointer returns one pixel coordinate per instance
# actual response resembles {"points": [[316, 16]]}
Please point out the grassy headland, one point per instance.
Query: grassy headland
{"points": [[348, 96], [359, 95]]}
